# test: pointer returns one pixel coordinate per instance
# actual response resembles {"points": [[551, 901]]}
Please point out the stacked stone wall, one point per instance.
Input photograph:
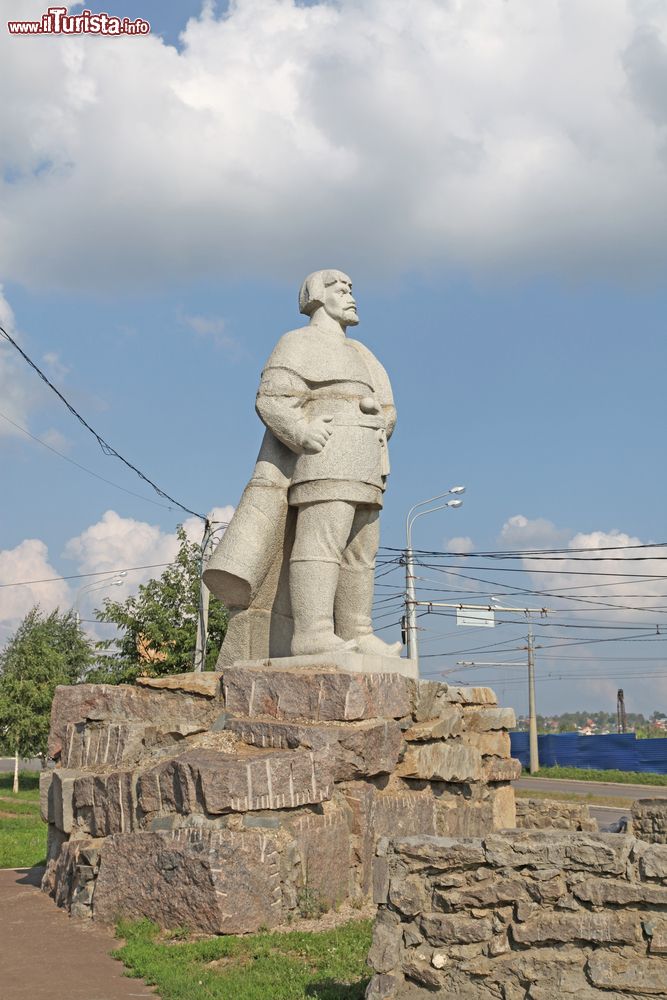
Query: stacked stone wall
{"points": [[520, 915], [223, 802], [551, 814], [649, 820]]}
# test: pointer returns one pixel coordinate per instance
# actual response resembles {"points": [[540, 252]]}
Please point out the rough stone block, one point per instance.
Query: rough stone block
{"points": [[124, 703], [46, 810], [408, 894], [490, 892], [606, 928], [218, 882], [471, 696], [323, 853], [481, 720], [443, 928], [104, 803], [441, 762], [614, 892], [385, 947], [205, 682], [500, 769], [602, 852], [359, 749], [544, 814], [649, 820], [492, 743], [400, 813], [61, 794], [460, 816], [449, 723], [316, 696], [504, 807], [442, 852], [628, 974], [429, 701], [652, 860], [658, 931], [220, 782]]}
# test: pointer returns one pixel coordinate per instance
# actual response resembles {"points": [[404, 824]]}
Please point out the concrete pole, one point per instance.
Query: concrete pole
{"points": [[532, 714], [410, 606], [204, 597]]}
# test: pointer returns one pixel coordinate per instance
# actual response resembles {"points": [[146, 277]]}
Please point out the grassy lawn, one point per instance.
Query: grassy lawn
{"points": [[325, 965], [617, 777], [22, 832]]}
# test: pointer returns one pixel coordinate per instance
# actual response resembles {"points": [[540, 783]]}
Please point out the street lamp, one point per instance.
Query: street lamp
{"points": [[410, 607], [93, 587]]}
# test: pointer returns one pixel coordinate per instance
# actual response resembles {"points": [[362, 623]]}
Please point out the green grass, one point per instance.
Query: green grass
{"points": [[617, 777], [22, 832], [325, 965]]}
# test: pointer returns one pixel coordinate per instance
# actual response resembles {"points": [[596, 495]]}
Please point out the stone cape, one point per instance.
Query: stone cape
{"points": [[248, 571]]}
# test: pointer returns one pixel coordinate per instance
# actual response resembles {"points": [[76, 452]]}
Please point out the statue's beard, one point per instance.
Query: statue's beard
{"points": [[351, 318]]}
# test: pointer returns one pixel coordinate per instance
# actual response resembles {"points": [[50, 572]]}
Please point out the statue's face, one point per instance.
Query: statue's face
{"points": [[338, 301]]}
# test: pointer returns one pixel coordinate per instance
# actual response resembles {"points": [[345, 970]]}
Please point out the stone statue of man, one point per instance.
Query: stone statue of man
{"points": [[296, 565]]}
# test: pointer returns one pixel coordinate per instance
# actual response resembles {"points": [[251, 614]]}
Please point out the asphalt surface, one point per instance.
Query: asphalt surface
{"points": [[47, 955], [605, 788]]}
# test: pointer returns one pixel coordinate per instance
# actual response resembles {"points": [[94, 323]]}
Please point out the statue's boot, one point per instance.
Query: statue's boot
{"points": [[352, 612], [312, 590]]}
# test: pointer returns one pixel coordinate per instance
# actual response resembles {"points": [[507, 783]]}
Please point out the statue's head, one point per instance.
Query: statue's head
{"points": [[332, 291]]}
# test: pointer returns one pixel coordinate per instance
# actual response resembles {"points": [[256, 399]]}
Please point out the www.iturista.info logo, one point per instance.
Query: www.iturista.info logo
{"points": [[56, 21]]}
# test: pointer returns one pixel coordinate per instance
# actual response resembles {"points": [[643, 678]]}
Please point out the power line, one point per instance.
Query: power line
{"points": [[104, 445], [90, 472], [80, 576], [535, 553]]}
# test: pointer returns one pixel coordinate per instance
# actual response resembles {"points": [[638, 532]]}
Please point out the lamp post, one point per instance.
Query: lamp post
{"points": [[410, 600], [91, 588]]}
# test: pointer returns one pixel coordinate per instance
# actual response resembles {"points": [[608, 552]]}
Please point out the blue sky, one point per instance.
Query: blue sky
{"points": [[503, 220]]}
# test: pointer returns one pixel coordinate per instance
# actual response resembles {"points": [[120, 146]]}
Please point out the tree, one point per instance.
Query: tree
{"points": [[43, 652], [157, 628]]}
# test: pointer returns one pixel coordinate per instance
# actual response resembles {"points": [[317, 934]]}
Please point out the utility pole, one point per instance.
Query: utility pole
{"points": [[534, 757], [532, 714], [204, 597], [621, 721], [410, 607]]}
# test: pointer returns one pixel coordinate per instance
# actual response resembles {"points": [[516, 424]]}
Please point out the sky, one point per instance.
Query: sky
{"points": [[493, 176]]}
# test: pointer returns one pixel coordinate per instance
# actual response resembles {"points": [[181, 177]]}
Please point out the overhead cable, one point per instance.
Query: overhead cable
{"points": [[104, 445]]}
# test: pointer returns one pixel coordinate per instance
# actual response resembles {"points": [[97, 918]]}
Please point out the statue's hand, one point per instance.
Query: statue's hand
{"points": [[318, 433]]}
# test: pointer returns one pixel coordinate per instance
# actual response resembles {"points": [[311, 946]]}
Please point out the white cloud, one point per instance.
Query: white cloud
{"points": [[28, 561], [522, 532], [213, 327], [371, 134], [113, 543], [461, 543]]}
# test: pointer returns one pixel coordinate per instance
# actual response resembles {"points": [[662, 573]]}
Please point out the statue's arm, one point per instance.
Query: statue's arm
{"points": [[280, 406]]}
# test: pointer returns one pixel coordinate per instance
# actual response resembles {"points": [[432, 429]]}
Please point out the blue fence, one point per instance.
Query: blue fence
{"points": [[623, 752]]}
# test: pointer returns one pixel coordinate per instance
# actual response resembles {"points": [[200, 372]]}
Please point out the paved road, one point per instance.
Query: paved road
{"points": [[605, 788], [7, 764], [46, 955], [608, 817]]}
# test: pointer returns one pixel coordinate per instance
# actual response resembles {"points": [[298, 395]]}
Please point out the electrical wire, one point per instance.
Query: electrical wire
{"points": [[80, 576], [104, 445], [90, 472]]}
